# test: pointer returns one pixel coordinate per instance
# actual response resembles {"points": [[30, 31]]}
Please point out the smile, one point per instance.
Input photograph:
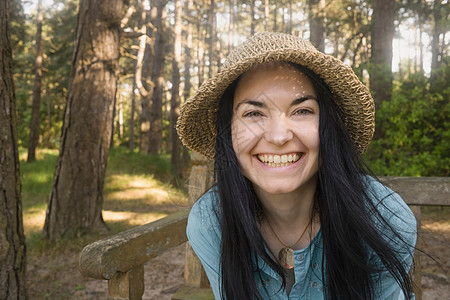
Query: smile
{"points": [[279, 160]]}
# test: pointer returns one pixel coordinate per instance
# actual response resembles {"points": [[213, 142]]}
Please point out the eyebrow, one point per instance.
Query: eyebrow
{"points": [[264, 105]]}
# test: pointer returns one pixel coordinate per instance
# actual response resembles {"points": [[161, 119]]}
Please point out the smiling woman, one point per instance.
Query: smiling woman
{"points": [[294, 213]]}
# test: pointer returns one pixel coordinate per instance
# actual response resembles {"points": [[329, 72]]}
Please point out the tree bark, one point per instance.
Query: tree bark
{"points": [[76, 197], [231, 25], [382, 34], [132, 111], [275, 16], [144, 64], [155, 140], [436, 57], [175, 100], [35, 111], [12, 239], [185, 157], [188, 53], [316, 24], [211, 37], [200, 49], [266, 15], [291, 13], [49, 119], [252, 17]]}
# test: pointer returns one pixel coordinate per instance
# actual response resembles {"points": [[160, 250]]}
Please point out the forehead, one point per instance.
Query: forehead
{"points": [[274, 77]]}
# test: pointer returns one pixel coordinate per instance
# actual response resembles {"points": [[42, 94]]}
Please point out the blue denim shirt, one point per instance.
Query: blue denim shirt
{"points": [[203, 231]]}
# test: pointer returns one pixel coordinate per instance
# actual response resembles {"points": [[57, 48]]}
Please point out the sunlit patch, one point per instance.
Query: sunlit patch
{"points": [[139, 183], [114, 216], [146, 191], [437, 227], [132, 218], [33, 220]]}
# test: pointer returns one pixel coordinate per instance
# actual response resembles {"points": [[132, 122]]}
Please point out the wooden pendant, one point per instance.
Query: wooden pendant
{"points": [[286, 257]]}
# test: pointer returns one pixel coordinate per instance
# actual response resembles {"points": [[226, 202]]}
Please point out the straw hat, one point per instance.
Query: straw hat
{"points": [[196, 125]]}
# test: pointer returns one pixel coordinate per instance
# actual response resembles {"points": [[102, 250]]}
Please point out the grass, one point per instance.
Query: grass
{"points": [[138, 189]]}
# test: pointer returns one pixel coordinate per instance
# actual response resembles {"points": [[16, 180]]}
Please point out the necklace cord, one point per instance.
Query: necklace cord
{"points": [[287, 246]]}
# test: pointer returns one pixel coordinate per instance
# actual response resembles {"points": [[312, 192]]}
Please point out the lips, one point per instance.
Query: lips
{"points": [[275, 160]]}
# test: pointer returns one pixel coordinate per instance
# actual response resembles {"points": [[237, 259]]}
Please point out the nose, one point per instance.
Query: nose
{"points": [[278, 131]]}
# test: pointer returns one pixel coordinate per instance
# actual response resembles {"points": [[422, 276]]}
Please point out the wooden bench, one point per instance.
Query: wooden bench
{"points": [[120, 258]]}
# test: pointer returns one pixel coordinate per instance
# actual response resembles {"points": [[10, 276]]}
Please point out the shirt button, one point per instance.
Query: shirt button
{"points": [[314, 284], [299, 257], [314, 265]]}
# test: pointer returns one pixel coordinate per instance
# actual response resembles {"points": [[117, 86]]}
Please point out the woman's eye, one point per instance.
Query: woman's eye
{"points": [[302, 111], [252, 114]]}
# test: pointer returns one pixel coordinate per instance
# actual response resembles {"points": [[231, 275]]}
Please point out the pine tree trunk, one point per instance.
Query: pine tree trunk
{"points": [[230, 25], [382, 35], [252, 17], [275, 16], [185, 157], [438, 8], [211, 37], [49, 119], [35, 111], [175, 101], [188, 53], [420, 39], [155, 140], [132, 112], [144, 65], [76, 197], [291, 12], [316, 24], [200, 49], [12, 239], [266, 15]]}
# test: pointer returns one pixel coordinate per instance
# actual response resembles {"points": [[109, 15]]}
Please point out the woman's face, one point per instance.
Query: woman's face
{"points": [[275, 129]]}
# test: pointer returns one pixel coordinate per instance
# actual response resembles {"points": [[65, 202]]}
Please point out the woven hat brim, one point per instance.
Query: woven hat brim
{"points": [[196, 125]]}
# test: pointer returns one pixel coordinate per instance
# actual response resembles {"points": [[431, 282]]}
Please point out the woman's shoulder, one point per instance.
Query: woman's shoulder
{"points": [[203, 227], [205, 210], [391, 208], [385, 199]]}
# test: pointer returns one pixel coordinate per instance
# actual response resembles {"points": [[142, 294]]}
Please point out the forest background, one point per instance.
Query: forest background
{"points": [[166, 49], [412, 115], [412, 102]]}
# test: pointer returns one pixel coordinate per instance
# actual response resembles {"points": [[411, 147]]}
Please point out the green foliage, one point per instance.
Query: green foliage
{"points": [[413, 130], [121, 160], [37, 177], [58, 35]]}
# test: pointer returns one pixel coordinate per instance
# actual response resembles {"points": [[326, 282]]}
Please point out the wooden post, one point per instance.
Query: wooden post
{"points": [[129, 285], [196, 284], [417, 271]]}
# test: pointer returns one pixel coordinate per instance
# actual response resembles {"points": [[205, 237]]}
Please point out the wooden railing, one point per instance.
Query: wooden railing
{"points": [[120, 258]]}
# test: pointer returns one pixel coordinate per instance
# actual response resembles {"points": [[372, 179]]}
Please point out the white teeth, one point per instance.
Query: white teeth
{"points": [[279, 160]]}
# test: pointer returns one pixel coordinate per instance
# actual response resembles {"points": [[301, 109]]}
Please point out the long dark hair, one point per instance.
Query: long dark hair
{"points": [[346, 213]]}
